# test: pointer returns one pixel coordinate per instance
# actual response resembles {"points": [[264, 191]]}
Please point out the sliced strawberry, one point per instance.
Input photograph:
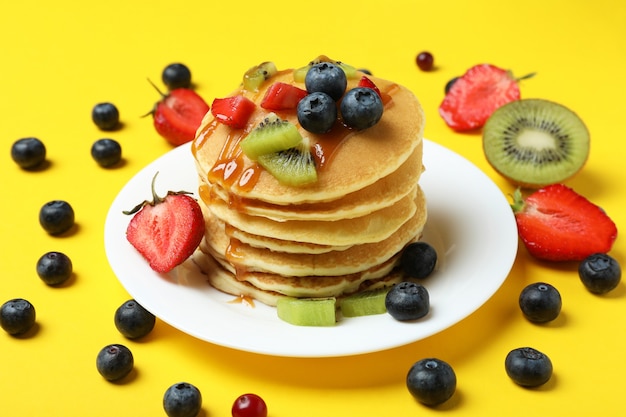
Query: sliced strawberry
{"points": [[166, 230], [367, 83], [178, 115], [557, 224], [476, 95], [233, 111], [282, 96]]}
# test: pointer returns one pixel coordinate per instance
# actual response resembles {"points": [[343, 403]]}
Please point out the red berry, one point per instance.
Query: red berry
{"points": [[282, 96], [249, 405], [178, 115], [425, 61], [233, 111], [367, 83]]}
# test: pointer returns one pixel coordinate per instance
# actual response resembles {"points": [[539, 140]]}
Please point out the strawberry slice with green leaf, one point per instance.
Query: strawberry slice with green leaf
{"points": [[557, 224], [477, 94], [166, 230], [282, 96], [233, 111]]}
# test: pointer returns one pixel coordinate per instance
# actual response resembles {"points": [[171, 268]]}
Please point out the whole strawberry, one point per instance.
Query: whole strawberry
{"points": [[557, 224], [166, 230], [476, 95]]}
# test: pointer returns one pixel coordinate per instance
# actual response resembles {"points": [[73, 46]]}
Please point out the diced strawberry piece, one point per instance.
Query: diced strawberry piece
{"points": [[367, 83], [178, 115], [476, 95], [557, 224], [282, 96], [233, 111]]}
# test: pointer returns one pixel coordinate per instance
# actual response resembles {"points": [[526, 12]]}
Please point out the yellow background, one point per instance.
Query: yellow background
{"points": [[60, 58]]}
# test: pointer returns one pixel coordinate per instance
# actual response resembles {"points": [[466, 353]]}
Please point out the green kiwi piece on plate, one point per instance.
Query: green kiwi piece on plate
{"points": [[364, 303], [294, 166], [307, 311], [535, 142]]}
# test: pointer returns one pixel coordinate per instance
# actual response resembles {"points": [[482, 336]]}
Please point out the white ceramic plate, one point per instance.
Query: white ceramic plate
{"points": [[470, 224]]}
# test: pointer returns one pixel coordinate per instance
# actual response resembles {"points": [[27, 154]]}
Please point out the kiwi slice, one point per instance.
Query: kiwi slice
{"points": [[299, 74], [257, 75], [535, 142], [364, 303], [294, 166], [271, 135], [307, 311]]}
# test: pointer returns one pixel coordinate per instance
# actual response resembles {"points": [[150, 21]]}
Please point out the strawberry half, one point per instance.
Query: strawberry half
{"points": [[557, 224], [178, 115], [476, 95], [282, 96], [233, 111], [166, 230]]}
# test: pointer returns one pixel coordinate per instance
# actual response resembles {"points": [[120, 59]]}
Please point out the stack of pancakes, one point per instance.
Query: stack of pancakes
{"points": [[342, 234]]}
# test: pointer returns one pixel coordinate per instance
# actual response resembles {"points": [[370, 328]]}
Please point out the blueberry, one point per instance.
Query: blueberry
{"points": [[407, 301], [540, 302], [317, 112], [54, 268], [182, 400], [105, 116], [106, 152], [361, 108], [431, 381], [418, 260], [326, 78], [176, 75], [133, 321], [600, 273], [114, 362], [528, 367], [449, 84], [28, 153], [17, 316], [56, 217]]}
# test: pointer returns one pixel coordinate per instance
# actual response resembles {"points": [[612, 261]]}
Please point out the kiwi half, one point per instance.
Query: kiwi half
{"points": [[535, 142]]}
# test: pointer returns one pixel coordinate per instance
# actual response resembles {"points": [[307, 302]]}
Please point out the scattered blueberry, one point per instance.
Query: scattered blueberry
{"points": [[28, 153], [182, 400], [176, 75], [600, 273], [114, 362], [133, 321], [106, 152], [425, 61], [407, 301], [528, 367], [361, 108], [326, 78], [317, 112], [449, 84], [431, 381], [418, 260], [56, 217], [105, 116], [17, 316], [540, 302], [54, 268]]}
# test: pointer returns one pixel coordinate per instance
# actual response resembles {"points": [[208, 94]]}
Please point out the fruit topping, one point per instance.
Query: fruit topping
{"points": [[294, 166], [56, 217], [28, 153], [17, 316], [257, 75], [476, 95], [327, 78], [54, 268], [176, 75], [317, 112], [270, 136], [233, 111], [178, 115], [182, 400], [418, 260], [431, 381], [299, 74], [249, 405], [535, 142], [425, 61], [557, 224], [307, 311], [528, 367], [540, 302], [106, 116], [364, 303], [133, 321], [600, 273], [361, 108], [166, 230], [106, 152], [282, 96], [366, 82], [407, 301], [114, 362]]}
